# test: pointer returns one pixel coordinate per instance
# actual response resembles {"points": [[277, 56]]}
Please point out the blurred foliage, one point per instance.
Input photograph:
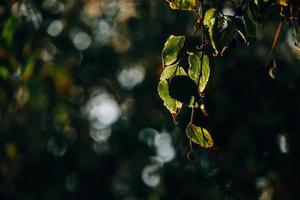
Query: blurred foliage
{"points": [[80, 117]]}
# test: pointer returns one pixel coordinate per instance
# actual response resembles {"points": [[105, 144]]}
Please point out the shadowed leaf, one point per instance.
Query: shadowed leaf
{"points": [[199, 136]]}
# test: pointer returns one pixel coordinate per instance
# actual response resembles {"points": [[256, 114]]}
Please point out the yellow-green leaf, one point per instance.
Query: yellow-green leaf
{"points": [[163, 91], [182, 4], [195, 68], [172, 70], [209, 17], [283, 2], [199, 136], [214, 36], [171, 49]]}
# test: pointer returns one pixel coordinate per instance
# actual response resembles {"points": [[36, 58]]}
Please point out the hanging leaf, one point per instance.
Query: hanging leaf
{"points": [[209, 17], [163, 91], [212, 23], [171, 49], [195, 68], [199, 136], [214, 36], [239, 25], [250, 23], [228, 34], [182, 4], [172, 70], [182, 88]]}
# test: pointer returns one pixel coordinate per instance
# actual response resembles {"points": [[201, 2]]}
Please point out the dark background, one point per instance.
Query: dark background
{"points": [[80, 117]]}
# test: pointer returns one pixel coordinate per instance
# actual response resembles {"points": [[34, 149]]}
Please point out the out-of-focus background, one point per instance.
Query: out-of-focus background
{"points": [[80, 117]]}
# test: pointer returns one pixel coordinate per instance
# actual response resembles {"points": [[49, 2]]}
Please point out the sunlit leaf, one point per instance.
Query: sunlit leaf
{"points": [[195, 69], [171, 49], [182, 4], [199, 136], [212, 23], [283, 2], [214, 36], [163, 91], [209, 17], [172, 70], [193, 104]]}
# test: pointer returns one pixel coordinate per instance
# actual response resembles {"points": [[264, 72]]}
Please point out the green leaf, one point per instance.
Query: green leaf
{"points": [[182, 4], [172, 70], [199, 136], [4, 73], [239, 25], [214, 36], [195, 67], [228, 34], [8, 31], [163, 91], [171, 49], [209, 17]]}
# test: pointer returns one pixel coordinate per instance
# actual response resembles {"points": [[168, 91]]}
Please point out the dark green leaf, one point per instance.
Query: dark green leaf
{"points": [[240, 27], [250, 24], [228, 34]]}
